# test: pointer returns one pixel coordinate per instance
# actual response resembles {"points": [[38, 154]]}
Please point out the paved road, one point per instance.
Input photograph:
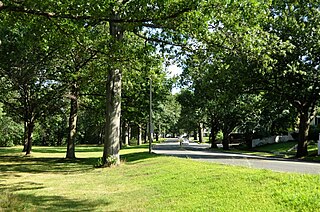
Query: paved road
{"points": [[200, 152]]}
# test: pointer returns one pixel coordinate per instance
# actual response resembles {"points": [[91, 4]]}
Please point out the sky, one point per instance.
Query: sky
{"points": [[173, 71]]}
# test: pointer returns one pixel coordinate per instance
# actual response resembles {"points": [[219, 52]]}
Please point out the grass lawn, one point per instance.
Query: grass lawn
{"points": [[279, 150], [286, 150], [47, 182]]}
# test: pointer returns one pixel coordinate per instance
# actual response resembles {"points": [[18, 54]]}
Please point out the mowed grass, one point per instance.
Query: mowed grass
{"points": [[287, 150], [47, 182]]}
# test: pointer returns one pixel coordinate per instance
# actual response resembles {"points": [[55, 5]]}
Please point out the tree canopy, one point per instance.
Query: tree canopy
{"points": [[244, 62]]}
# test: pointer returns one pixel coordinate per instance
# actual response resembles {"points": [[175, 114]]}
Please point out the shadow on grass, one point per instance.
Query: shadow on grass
{"points": [[11, 201], [41, 165], [18, 164], [138, 156], [13, 164], [9, 150], [49, 150], [64, 149], [143, 146], [21, 186]]}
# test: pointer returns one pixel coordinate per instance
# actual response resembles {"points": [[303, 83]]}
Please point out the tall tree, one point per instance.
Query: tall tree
{"points": [[142, 17], [26, 64], [295, 74]]}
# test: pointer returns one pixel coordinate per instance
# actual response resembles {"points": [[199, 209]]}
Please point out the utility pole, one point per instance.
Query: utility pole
{"points": [[150, 117]]}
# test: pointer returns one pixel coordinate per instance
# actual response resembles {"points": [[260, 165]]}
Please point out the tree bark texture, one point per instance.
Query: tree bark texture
{"points": [[129, 134], [213, 140], [25, 94], [304, 124], [225, 141], [30, 128], [101, 134], [72, 122], [200, 132], [123, 133], [145, 135], [112, 138], [25, 137], [213, 133], [29, 117], [139, 135], [306, 113]]}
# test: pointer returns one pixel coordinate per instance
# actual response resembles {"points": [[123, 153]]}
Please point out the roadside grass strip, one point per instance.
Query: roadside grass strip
{"points": [[46, 181]]}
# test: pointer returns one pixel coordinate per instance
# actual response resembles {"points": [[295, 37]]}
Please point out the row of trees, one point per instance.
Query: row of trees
{"points": [[238, 56], [257, 69], [66, 66]]}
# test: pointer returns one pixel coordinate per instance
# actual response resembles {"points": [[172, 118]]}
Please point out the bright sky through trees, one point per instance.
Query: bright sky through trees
{"points": [[174, 71]]}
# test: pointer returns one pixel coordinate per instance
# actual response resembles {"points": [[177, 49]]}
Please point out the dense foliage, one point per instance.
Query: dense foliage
{"points": [[78, 71]]}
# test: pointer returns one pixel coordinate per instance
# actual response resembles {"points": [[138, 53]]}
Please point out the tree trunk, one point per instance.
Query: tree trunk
{"points": [[304, 124], [200, 131], [145, 135], [159, 132], [129, 134], [213, 133], [101, 134], [195, 135], [225, 141], [139, 135], [124, 134], [30, 127], [25, 137], [72, 122], [112, 138], [213, 140], [25, 95], [44, 138], [60, 137]]}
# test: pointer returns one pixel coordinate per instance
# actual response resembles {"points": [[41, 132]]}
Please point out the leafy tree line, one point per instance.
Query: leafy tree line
{"points": [[238, 56], [257, 68], [61, 60]]}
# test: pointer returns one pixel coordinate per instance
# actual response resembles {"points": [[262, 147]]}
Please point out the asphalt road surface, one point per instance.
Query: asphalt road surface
{"points": [[200, 152]]}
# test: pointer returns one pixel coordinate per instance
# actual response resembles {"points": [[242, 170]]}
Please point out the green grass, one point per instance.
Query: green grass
{"points": [[279, 150], [286, 150], [47, 182], [277, 147]]}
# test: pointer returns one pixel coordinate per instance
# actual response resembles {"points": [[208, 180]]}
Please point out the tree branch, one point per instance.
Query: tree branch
{"points": [[92, 94], [183, 46], [21, 9]]}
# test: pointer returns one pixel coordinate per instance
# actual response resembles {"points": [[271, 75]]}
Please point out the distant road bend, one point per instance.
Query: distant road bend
{"points": [[199, 152]]}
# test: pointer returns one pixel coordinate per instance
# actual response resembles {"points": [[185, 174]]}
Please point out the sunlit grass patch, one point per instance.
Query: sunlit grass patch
{"points": [[145, 182]]}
